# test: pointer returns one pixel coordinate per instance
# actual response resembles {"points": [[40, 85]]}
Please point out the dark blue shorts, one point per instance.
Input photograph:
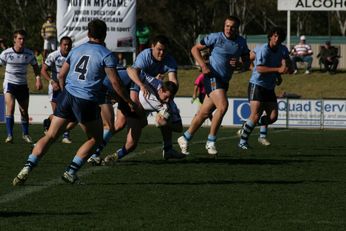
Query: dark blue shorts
{"points": [[259, 93], [76, 109], [126, 110], [211, 84], [20, 92]]}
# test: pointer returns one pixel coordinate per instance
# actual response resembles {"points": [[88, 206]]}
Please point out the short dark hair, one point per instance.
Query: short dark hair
{"points": [[97, 29], [277, 30], [170, 86], [20, 31], [234, 19], [67, 38], [161, 39]]}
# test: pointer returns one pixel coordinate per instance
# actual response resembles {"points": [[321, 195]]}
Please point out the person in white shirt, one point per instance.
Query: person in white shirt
{"points": [[302, 52]]}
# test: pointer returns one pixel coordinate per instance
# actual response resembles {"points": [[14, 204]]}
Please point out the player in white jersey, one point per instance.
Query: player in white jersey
{"points": [[54, 62], [84, 70], [16, 59]]}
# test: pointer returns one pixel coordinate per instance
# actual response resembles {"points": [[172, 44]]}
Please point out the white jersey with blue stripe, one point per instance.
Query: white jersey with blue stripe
{"points": [[86, 74], [54, 61], [222, 50], [146, 62], [16, 64], [266, 56]]}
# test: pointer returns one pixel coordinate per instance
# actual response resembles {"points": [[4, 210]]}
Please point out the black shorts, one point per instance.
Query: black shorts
{"points": [[259, 93], [125, 109], [20, 92], [211, 84]]}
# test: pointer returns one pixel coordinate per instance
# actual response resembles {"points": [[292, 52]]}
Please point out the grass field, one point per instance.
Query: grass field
{"points": [[298, 183]]}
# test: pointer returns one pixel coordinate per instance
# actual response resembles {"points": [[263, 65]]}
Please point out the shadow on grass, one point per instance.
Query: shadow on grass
{"points": [[45, 213], [214, 161], [222, 182]]}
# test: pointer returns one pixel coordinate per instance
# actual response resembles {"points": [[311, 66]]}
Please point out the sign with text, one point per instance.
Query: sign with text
{"points": [[311, 5], [73, 17]]}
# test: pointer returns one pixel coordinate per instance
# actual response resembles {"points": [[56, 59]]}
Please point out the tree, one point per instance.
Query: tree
{"points": [[341, 18]]}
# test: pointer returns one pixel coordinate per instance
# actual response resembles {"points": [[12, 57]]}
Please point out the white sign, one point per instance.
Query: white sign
{"points": [[311, 5], [293, 113], [73, 17]]}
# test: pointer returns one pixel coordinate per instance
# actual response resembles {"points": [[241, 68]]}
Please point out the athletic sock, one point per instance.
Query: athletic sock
{"points": [[187, 136], [264, 120], [9, 125], [107, 135], [263, 131], [25, 127], [211, 138], [66, 134], [247, 129], [75, 165], [122, 152], [32, 161]]}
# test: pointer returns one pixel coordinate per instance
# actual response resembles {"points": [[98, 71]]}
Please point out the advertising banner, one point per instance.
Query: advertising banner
{"points": [[293, 113], [299, 113], [73, 17], [311, 5]]}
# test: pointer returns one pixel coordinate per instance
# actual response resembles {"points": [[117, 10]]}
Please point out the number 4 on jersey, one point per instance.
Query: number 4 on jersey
{"points": [[82, 67]]}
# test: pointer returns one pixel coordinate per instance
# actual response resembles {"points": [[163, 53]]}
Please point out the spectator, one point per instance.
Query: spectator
{"points": [[3, 45], [48, 33], [329, 57], [302, 53], [199, 92], [199, 89], [121, 60], [39, 57], [143, 35]]}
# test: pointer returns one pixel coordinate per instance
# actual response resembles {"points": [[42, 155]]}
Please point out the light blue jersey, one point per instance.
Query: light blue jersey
{"points": [[146, 62], [128, 84], [222, 50], [265, 56], [86, 74], [124, 78]]}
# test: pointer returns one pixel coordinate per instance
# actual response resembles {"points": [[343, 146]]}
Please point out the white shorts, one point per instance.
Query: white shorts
{"points": [[50, 44], [53, 95]]}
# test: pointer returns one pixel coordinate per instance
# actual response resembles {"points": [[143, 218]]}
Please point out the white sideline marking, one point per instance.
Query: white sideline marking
{"points": [[22, 191]]}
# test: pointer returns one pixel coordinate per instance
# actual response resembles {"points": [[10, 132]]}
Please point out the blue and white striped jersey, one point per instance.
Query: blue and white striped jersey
{"points": [[86, 74], [16, 64], [222, 50], [265, 56], [54, 61]]}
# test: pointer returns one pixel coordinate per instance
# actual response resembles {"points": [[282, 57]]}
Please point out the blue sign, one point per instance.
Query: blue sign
{"points": [[241, 111]]}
